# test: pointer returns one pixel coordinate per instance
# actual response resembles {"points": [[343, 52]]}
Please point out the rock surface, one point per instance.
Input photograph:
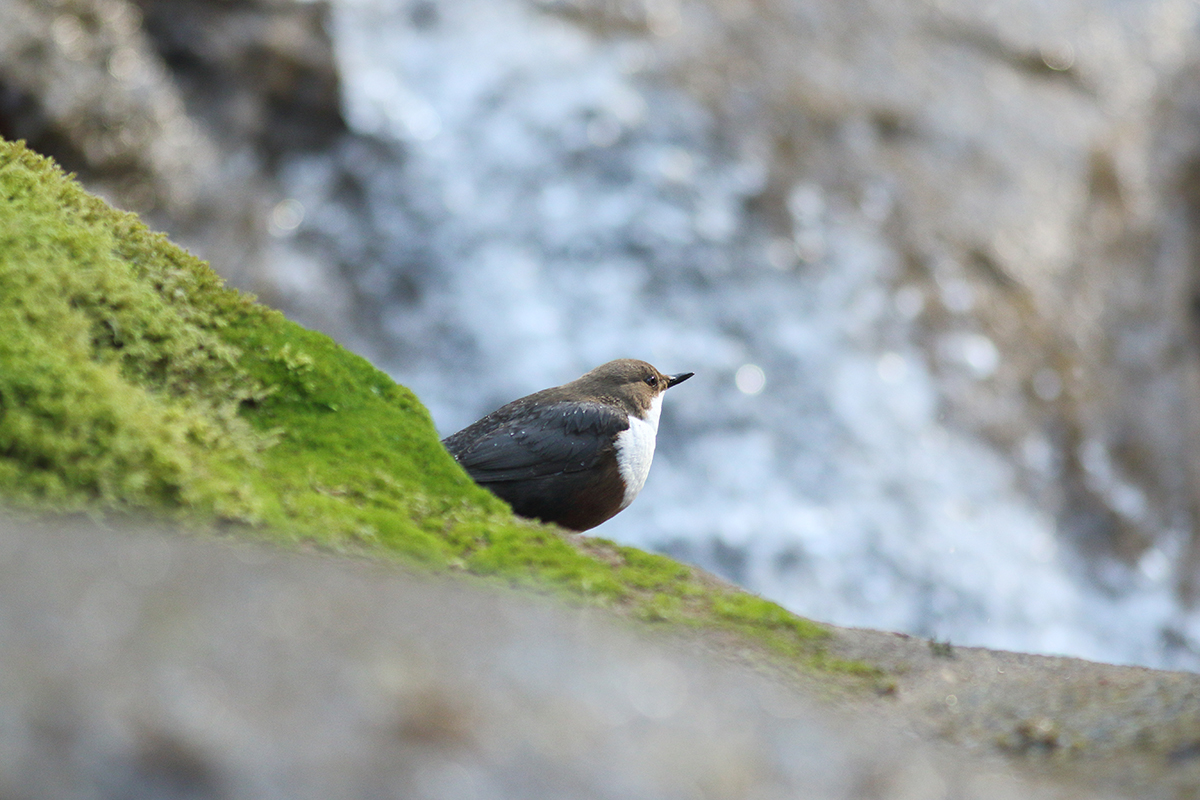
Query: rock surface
{"points": [[146, 665], [1129, 730], [180, 111]]}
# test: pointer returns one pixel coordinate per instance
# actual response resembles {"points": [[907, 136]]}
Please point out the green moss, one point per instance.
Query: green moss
{"points": [[116, 386], [132, 379]]}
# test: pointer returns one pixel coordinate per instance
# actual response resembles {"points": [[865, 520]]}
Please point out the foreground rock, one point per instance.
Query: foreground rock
{"points": [[142, 665], [1129, 729]]}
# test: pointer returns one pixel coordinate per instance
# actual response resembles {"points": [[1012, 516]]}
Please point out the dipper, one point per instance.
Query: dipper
{"points": [[574, 454]]}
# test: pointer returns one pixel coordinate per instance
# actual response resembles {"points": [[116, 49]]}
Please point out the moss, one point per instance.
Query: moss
{"points": [[132, 379], [116, 386]]}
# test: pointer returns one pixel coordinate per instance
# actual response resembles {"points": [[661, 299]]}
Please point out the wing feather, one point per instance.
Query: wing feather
{"points": [[517, 443]]}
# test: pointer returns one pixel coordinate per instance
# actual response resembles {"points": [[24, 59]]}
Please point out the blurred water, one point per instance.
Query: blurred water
{"points": [[543, 201]]}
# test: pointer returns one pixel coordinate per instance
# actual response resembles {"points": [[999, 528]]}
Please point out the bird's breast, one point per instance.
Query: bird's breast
{"points": [[635, 450]]}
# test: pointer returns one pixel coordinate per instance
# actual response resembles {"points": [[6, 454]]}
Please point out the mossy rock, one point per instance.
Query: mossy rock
{"points": [[132, 380]]}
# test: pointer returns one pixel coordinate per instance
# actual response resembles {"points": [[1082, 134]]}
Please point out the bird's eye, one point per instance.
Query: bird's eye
{"points": [[652, 380]]}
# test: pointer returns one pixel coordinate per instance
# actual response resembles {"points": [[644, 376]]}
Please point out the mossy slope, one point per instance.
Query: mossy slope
{"points": [[131, 378]]}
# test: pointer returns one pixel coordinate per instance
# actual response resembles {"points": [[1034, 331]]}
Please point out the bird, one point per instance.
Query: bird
{"points": [[575, 454]]}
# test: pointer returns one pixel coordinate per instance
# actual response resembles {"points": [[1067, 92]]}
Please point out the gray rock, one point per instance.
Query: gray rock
{"points": [[180, 111], [149, 665]]}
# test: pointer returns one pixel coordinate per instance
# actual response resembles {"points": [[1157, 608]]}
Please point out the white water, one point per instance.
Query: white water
{"points": [[557, 208]]}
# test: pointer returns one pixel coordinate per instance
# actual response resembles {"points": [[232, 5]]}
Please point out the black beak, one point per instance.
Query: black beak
{"points": [[680, 378]]}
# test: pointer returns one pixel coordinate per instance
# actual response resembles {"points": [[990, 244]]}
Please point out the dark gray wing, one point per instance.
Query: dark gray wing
{"points": [[516, 443]]}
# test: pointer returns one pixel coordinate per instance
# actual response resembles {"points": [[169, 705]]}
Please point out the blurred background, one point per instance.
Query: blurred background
{"points": [[932, 262]]}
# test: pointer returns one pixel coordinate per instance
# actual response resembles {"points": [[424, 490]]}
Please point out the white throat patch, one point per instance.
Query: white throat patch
{"points": [[635, 450]]}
